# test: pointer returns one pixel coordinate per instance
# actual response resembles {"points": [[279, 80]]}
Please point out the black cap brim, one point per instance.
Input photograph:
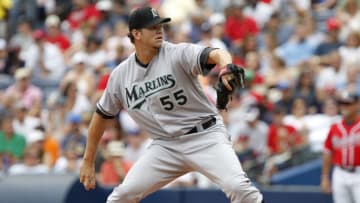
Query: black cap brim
{"points": [[158, 21]]}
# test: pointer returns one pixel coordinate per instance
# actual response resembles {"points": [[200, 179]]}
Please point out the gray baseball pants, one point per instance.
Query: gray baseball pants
{"points": [[208, 152]]}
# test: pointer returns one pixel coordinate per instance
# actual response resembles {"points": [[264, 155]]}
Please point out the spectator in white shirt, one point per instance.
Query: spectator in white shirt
{"points": [[137, 141], [38, 55], [207, 38], [250, 134], [319, 124], [32, 163]]}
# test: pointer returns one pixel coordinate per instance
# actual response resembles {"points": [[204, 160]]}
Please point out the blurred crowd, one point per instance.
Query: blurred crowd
{"points": [[56, 57]]}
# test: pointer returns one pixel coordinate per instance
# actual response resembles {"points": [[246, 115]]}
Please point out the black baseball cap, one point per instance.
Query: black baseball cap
{"points": [[145, 17], [347, 97]]}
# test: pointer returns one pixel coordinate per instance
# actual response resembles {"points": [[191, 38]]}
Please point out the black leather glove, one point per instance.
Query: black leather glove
{"points": [[237, 80]]}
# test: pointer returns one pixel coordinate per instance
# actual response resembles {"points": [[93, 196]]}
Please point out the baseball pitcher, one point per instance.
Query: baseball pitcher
{"points": [[157, 85]]}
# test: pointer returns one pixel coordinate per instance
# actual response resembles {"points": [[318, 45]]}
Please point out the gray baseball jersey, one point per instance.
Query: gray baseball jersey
{"points": [[166, 100], [165, 97]]}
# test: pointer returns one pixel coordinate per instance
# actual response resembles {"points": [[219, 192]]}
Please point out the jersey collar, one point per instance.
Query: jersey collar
{"points": [[139, 62]]}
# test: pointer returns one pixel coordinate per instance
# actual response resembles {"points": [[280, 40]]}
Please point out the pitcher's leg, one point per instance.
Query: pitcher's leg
{"points": [[155, 169], [220, 164]]}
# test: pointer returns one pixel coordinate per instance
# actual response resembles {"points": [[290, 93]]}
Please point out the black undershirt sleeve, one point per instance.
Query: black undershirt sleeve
{"points": [[204, 56], [98, 111]]}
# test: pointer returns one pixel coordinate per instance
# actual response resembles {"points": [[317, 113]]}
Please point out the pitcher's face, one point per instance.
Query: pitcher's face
{"points": [[152, 36]]}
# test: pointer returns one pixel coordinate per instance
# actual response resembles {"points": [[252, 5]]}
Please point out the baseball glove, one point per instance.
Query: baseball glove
{"points": [[237, 80]]}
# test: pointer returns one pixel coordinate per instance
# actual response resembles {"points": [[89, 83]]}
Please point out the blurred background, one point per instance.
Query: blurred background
{"points": [[56, 57]]}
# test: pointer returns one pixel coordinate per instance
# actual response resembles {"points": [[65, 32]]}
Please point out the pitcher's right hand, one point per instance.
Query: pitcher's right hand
{"points": [[87, 175]]}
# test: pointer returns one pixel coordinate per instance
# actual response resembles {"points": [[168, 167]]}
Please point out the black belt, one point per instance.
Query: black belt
{"points": [[204, 125], [351, 169]]}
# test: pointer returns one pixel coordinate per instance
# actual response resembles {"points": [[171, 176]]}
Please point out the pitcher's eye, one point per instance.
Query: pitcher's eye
{"points": [[155, 27]]}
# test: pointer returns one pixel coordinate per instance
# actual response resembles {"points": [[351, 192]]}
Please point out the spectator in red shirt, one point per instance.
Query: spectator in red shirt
{"points": [[283, 140], [54, 34], [281, 137], [238, 26], [83, 12], [114, 169], [101, 85]]}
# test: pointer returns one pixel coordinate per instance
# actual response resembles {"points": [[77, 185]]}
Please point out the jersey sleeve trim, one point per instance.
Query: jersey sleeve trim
{"points": [[204, 56], [100, 110]]}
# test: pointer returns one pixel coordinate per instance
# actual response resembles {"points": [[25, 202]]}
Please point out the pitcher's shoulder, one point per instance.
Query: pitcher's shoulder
{"points": [[172, 46], [175, 49], [124, 64]]}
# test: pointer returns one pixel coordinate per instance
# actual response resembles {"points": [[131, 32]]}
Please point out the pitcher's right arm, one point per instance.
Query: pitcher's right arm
{"points": [[87, 170]]}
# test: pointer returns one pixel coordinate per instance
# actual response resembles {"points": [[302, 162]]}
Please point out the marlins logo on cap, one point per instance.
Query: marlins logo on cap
{"points": [[145, 17], [154, 13]]}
